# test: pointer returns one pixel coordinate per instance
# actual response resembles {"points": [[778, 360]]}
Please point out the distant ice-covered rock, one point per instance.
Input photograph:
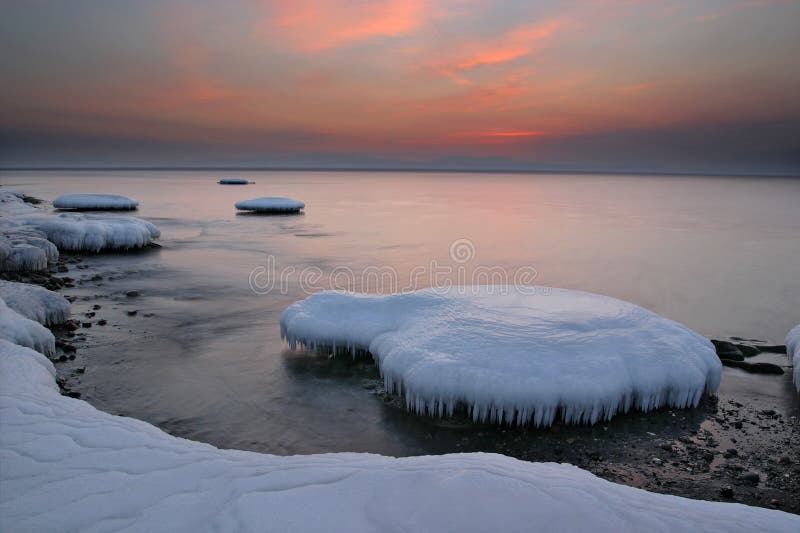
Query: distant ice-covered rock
{"points": [[514, 356], [95, 202], [793, 350], [64, 462], [25, 332], [233, 181], [35, 303], [271, 204]]}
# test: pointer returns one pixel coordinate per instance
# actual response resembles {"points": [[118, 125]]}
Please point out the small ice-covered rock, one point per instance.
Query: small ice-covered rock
{"points": [[34, 302], [514, 355], [95, 202], [64, 462], [793, 350], [93, 233], [23, 331], [271, 204], [24, 249], [233, 181]]}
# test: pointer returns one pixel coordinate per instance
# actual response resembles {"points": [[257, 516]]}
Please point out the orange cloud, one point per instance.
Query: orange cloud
{"points": [[494, 136], [315, 25], [512, 45]]}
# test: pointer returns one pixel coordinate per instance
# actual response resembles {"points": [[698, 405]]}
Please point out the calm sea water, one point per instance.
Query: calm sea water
{"points": [[203, 358]]}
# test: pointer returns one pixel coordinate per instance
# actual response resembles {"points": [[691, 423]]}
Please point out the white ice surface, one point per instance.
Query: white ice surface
{"points": [[514, 357], [270, 203], [793, 350], [65, 465], [94, 201], [34, 302], [26, 227], [233, 181], [25, 332]]}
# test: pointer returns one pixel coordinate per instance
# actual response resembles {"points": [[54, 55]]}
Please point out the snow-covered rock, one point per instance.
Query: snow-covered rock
{"points": [[793, 350], [34, 302], [233, 181], [270, 204], [95, 202], [92, 233], [25, 332], [64, 462], [21, 248], [514, 355]]}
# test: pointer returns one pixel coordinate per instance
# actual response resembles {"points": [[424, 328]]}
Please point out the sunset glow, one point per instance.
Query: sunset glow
{"points": [[400, 80]]}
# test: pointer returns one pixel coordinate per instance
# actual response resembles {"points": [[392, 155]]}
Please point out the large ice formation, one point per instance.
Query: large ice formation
{"points": [[793, 350], [95, 202], [514, 355], [34, 302], [25, 332], [24, 227], [64, 462], [270, 204]]}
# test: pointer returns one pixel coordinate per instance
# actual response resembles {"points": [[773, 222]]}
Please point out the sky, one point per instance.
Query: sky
{"points": [[660, 85]]}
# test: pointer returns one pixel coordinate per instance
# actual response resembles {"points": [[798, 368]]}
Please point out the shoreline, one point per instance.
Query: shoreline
{"points": [[734, 447]]}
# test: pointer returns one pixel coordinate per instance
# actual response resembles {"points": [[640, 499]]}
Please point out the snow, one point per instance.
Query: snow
{"points": [[270, 204], [35, 303], [233, 181], [514, 356], [25, 332], [64, 462], [793, 350], [24, 227], [94, 202]]}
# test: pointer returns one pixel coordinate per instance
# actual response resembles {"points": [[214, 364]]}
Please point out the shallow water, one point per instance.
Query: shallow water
{"points": [[203, 359]]}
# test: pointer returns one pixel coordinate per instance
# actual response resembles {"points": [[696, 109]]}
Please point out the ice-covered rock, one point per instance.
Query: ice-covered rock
{"points": [[25, 332], [22, 248], [64, 462], [34, 302], [270, 204], [793, 350], [514, 354], [96, 202], [233, 181], [92, 233]]}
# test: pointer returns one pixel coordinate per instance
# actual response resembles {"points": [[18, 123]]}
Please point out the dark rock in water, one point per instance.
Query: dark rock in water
{"points": [[86, 324], [97, 307], [773, 348], [730, 452], [81, 370], [74, 394], [62, 359], [68, 348], [748, 351], [726, 491], [751, 478], [97, 277], [102, 322], [62, 268], [72, 325], [90, 314], [133, 313], [754, 368], [132, 294], [727, 350]]}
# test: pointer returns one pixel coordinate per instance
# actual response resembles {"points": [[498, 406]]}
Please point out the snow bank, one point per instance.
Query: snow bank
{"points": [[793, 350], [514, 357], [233, 181], [35, 303], [64, 462], [270, 204], [95, 202], [25, 332]]}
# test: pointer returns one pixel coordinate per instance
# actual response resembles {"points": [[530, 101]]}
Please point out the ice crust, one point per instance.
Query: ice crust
{"points": [[24, 227], [95, 202], [270, 204], [24, 331], [64, 462], [35, 303], [512, 357], [793, 350]]}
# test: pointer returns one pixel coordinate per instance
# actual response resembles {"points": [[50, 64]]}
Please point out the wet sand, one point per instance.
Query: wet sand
{"points": [[740, 445]]}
